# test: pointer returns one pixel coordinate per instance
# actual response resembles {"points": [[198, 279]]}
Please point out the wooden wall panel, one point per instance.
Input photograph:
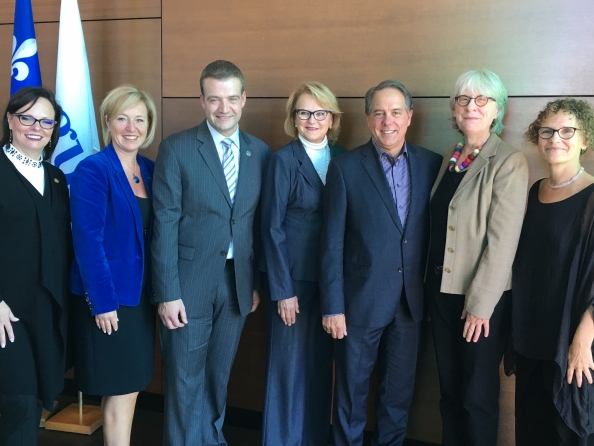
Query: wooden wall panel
{"points": [[119, 51], [351, 45], [430, 126], [49, 10]]}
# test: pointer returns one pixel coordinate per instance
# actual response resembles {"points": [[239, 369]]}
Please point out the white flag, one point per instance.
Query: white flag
{"points": [[78, 129]]}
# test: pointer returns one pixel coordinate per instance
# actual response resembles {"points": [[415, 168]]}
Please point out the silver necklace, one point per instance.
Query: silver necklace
{"points": [[134, 176], [566, 183]]}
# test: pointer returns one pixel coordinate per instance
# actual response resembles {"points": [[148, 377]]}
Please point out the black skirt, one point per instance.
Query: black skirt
{"points": [[119, 363]]}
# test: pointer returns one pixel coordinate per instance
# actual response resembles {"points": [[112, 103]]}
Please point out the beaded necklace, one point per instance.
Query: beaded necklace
{"points": [[464, 164]]}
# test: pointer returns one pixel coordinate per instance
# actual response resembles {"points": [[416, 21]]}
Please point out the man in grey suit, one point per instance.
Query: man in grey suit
{"points": [[206, 192]]}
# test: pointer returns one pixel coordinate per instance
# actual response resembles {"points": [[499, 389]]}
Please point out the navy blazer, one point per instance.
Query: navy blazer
{"points": [[107, 232], [367, 257], [291, 219]]}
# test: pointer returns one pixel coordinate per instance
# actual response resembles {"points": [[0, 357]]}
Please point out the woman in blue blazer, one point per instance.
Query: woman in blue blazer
{"points": [[300, 353], [111, 209]]}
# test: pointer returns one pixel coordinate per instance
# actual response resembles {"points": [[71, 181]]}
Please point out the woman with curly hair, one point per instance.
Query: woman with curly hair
{"points": [[553, 286]]}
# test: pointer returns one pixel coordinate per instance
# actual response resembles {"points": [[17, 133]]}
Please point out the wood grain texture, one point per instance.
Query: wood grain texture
{"points": [[49, 10], [351, 45], [119, 51], [430, 126]]}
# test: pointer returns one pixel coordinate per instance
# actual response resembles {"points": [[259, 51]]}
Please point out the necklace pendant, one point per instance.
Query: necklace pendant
{"points": [[136, 179]]}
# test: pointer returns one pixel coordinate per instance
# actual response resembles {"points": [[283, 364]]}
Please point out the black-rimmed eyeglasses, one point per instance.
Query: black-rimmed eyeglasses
{"points": [[563, 132], [480, 100], [28, 120], [319, 115]]}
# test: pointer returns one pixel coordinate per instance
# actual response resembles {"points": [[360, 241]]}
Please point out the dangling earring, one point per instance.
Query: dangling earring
{"points": [[10, 137], [49, 146]]}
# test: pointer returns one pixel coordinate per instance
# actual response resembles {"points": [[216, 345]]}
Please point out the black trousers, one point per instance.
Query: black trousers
{"points": [[468, 371], [19, 420], [537, 419]]}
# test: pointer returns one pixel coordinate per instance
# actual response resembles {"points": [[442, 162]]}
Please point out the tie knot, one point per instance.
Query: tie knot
{"points": [[227, 143]]}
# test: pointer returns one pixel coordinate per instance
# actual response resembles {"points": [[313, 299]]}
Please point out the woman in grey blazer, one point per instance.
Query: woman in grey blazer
{"points": [[477, 207], [300, 353]]}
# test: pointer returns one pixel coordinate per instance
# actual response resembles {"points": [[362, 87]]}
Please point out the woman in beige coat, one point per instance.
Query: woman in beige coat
{"points": [[477, 207]]}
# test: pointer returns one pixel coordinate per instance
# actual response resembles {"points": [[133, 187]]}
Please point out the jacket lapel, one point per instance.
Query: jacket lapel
{"points": [[374, 170], [211, 158], [246, 166], [479, 163], [416, 176], [120, 175], [306, 167], [148, 180]]}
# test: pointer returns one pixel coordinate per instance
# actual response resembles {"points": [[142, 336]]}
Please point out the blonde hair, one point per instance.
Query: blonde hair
{"points": [[325, 97], [122, 98]]}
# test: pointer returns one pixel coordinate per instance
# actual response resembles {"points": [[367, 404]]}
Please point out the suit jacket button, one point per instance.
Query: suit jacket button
{"points": [[400, 270], [233, 221], [224, 253], [453, 207], [447, 270], [404, 240], [450, 249], [452, 228]]}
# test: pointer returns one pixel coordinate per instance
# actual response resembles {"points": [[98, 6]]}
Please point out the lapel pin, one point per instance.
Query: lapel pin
{"points": [[248, 153], [56, 180]]}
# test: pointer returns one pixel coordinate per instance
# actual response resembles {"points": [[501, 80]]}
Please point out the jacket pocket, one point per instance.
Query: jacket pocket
{"points": [[185, 252], [356, 269]]}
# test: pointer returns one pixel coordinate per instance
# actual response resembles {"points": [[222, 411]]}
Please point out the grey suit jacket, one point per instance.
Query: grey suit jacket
{"points": [[195, 220]]}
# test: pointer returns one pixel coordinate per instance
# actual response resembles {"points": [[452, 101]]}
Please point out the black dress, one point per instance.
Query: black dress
{"points": [[542, 272], [35, 255], [122, 362]]}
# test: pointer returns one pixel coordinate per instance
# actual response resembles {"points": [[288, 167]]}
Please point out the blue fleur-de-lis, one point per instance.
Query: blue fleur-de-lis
{"points": [[20, 70]]}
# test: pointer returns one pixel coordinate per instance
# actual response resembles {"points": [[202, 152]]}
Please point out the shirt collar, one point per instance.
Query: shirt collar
{"points": [[381, 152], [217, 137]]}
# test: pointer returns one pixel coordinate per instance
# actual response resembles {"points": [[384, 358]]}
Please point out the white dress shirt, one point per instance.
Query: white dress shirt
{"points": [[31, 171], [217, 138]]}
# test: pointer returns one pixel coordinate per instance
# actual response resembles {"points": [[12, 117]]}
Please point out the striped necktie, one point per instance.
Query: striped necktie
{"points": [[229, 167]]}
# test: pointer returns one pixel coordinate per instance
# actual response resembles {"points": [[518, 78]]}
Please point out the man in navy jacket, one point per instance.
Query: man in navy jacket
{"points": [[374, 245]]}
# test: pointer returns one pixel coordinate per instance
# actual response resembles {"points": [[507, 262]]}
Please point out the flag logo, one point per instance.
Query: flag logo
{"points": [[25, 63], [78, 129]]}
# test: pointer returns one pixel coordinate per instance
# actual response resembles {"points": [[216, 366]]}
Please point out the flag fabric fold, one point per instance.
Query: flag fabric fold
{"points": [[78, 129], [25, 62]]}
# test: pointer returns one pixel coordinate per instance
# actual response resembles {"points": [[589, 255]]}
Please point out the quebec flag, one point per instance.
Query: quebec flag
{"points": [[25, 63], [78, 129]]}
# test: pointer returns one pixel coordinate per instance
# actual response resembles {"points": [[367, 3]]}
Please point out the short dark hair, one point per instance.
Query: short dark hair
{"points": [[29, 96], [578, 108], [390, 83], [221, 69]]}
